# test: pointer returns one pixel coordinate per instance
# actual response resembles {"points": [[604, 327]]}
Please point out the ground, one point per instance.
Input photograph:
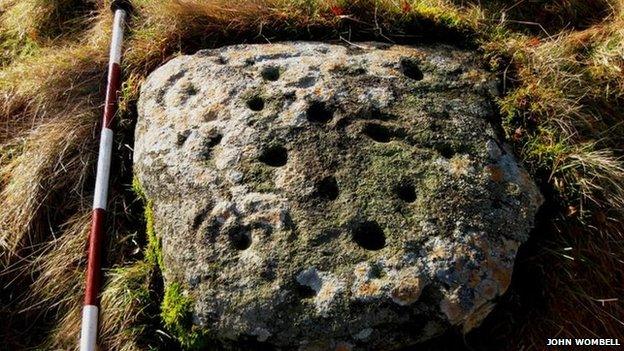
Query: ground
{"points": [[561, 62]]}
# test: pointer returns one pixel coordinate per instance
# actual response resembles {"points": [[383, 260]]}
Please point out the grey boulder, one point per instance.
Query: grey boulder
{"points": [[314, 196]]}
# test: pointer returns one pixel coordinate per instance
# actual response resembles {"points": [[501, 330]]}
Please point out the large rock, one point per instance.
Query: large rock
{"points": [[318, 196]]}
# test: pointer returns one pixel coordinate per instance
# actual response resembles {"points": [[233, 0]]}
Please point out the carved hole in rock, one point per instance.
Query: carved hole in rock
{"points": [[199, 219], [304, 291], [406, 192], [325, 236], [328, 188], [240, 238], [343, 123], [369, 235], [190, 90], [446, 150], [256, 103], [181, 138], [319, 113], [376, 271], [270, 73], [356, 71], [268, 274], [430, 295], [214, 140], [410, 69], [377, 132], [377, 114], [209, 144], [274, 156], [306, 82]]}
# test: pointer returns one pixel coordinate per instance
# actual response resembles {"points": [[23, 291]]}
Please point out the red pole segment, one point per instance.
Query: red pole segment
{"points": [[90, 311]]}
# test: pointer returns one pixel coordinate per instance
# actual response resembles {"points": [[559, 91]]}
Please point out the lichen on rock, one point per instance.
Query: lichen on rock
{"points": [[319, 196]]}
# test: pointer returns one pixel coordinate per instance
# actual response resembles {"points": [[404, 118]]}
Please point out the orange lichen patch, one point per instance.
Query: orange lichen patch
{"points": [[275, 217], [361, 270], [438, 252], [460, 166], [407, 291], [475, 279], [368, 289], [472, 75], [496, 174], [451, 308], [327, 291], [343, 346], [502, 276], [489, 289]]}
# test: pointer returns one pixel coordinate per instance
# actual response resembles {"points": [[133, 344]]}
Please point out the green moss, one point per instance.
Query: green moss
{"points": [[176, 314], [153, 251], [176, 307], [389, 165], [260, 177], [443, 16], [138, 189]]}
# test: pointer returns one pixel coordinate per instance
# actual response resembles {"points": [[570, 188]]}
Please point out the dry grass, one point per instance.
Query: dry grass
{"points": [[124, 302], [563, 110], [566, 112], [28, 25]]}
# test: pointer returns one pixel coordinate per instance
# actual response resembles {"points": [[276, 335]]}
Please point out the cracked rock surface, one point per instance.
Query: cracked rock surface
{"points": [[313, 196]]}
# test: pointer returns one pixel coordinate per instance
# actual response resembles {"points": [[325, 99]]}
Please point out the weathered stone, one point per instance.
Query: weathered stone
{"points": [[318, 196]]}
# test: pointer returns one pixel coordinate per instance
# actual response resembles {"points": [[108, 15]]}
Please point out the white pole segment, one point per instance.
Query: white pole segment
{"points": [[117, 40], [103, 169], [88, 332]]}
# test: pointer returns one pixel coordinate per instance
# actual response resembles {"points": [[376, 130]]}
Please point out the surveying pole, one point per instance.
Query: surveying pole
{"points": [[90, 311]]}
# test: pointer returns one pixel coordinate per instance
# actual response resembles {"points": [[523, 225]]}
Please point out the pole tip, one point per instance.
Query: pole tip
{"points": [[121, 5]]}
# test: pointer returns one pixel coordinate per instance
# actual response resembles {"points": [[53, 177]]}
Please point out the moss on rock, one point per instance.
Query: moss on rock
{"points": [[176, 313]]}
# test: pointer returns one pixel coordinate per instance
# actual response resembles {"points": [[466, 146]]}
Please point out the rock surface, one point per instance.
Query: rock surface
{"points": [[313, 196]]}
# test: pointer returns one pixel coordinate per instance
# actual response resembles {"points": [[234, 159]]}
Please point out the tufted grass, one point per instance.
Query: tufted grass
{"points": [[562, 67]]}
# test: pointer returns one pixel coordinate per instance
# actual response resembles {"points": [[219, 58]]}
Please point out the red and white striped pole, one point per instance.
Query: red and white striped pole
{"points": [[88, 334]]}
